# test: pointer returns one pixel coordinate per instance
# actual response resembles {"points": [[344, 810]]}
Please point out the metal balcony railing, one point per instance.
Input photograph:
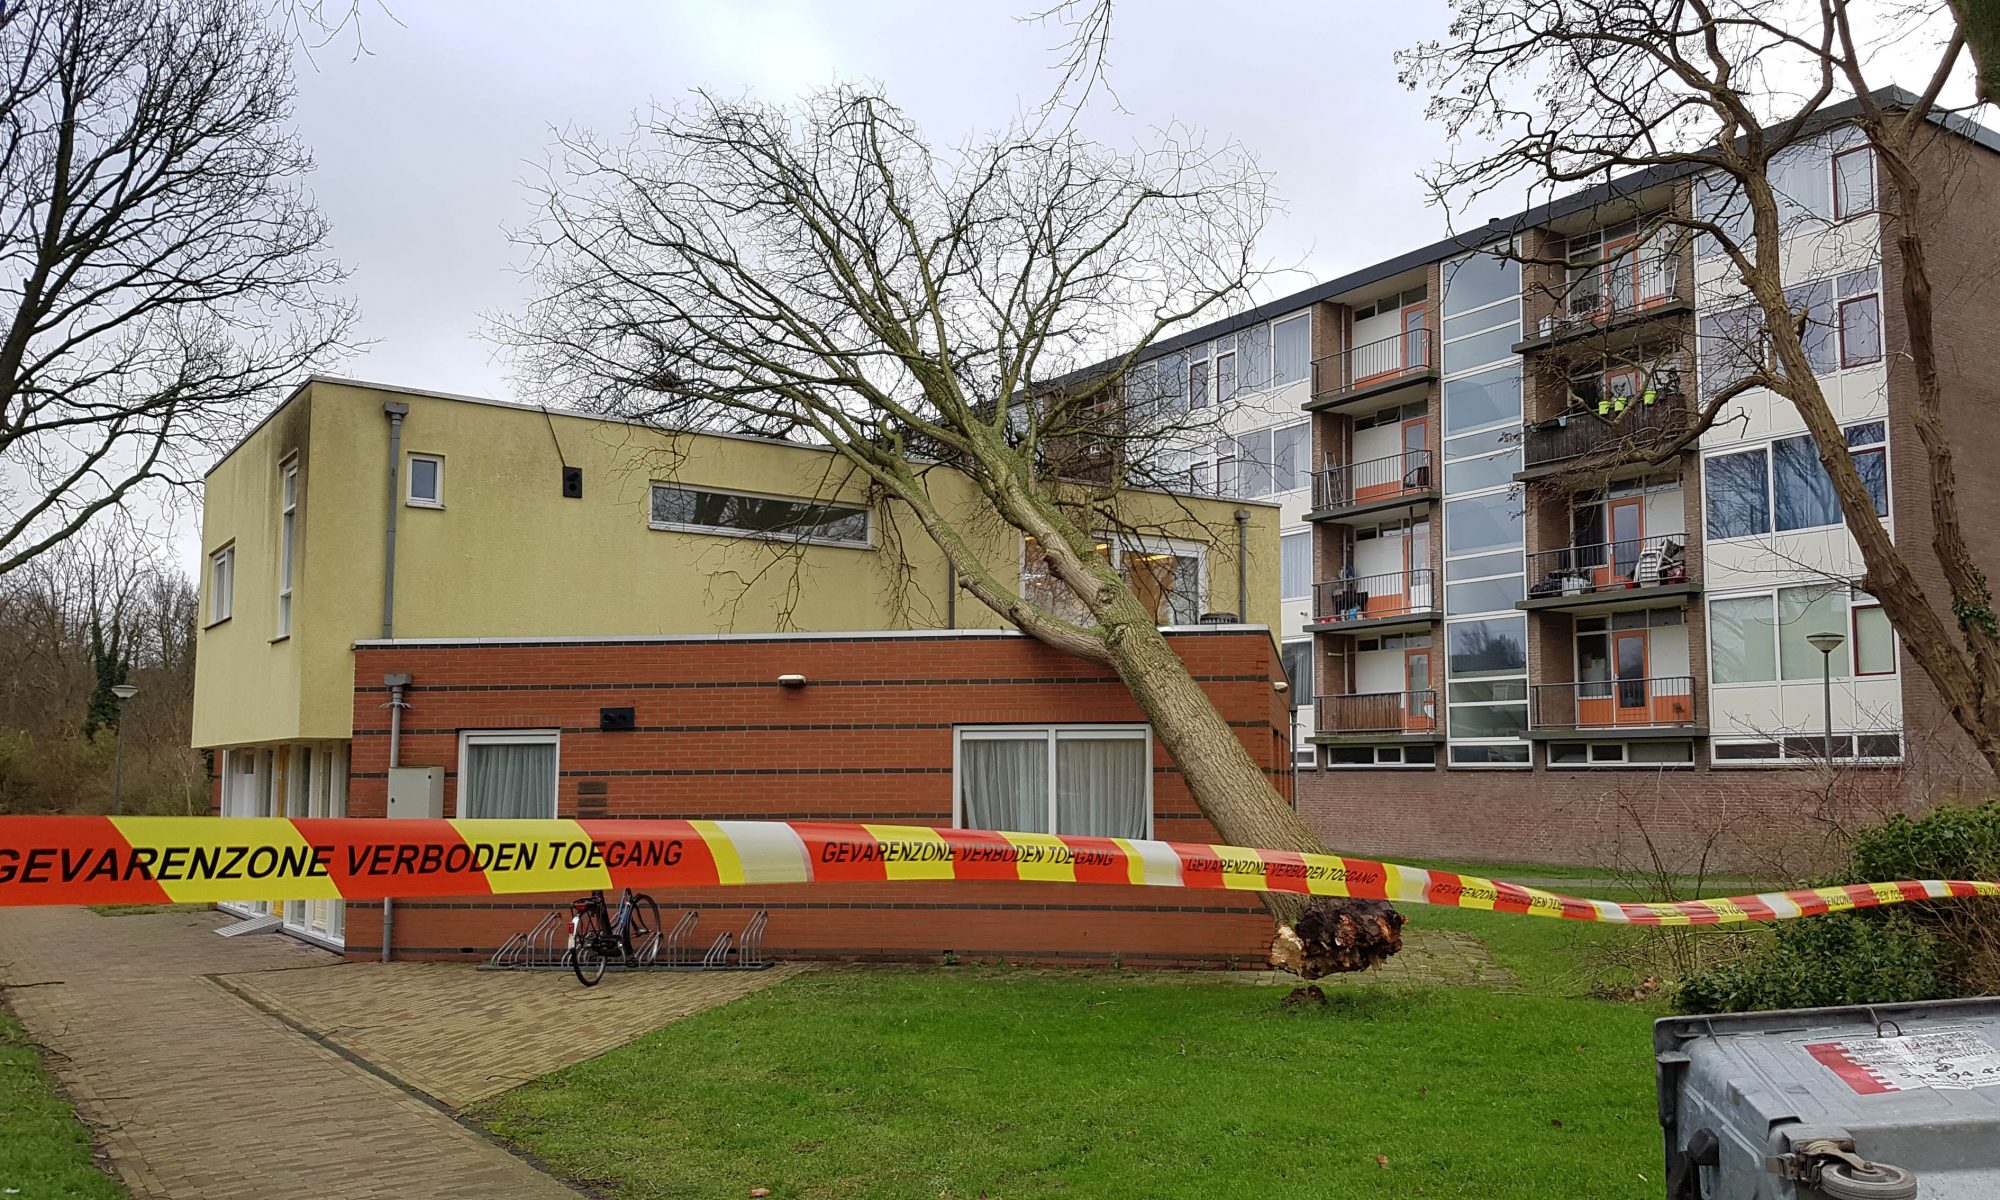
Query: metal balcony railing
{"points": [[1409, 354], [1608, 566], [1614, 422], [1353, 484], [1615, 703], [1609, 291], [1392, 594], [1379, 712]]}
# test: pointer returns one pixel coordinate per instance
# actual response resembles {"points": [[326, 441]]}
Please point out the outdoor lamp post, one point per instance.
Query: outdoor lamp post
{"points": [[124, 692], [1826, 644]]}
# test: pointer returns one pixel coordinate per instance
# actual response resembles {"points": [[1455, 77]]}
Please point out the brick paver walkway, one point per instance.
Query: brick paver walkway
{"points": [[196, 1092], [461, 1035]]}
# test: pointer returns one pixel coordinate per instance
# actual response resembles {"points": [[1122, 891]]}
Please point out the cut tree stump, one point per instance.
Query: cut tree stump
{"points": [[1336, 935]]}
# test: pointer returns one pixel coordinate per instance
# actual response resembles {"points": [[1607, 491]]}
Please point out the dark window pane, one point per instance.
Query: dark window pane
{"points": [[1481, 279], [1483, 399], [1860, 331], [1492, 647], [1737, 501], [1873, 467], [762, 515], [1804, 494]]}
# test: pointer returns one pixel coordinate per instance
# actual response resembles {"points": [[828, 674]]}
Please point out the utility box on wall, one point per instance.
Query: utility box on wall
{"points": [[416, 792]]}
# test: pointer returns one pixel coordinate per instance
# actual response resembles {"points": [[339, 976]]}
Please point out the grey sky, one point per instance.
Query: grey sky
{"points": [[424, 143]]}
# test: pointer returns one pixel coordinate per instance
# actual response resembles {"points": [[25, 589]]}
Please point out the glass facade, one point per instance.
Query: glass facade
{"points": [[1485, 536]]}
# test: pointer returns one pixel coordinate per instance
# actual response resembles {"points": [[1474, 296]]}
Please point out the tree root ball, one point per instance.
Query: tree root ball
{"points": [[1336, 935]]}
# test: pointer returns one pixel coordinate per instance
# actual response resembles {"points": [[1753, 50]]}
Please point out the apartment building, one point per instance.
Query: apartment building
{"points": [[1541, 610], [566, 616]]}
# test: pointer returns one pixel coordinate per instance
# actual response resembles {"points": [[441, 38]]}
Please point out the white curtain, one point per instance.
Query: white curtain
{"points": [[1101, 787], [1006, 783], [509, 780]]}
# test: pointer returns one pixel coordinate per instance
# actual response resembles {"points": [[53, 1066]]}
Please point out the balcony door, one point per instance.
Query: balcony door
{"points": [[1413, 337], [1628, 537], [1628, 653], [1417, 566], [1416, 463], [1419, 707]]}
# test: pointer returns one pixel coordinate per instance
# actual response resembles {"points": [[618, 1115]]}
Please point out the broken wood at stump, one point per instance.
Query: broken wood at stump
{"points": [[1338, 934]]}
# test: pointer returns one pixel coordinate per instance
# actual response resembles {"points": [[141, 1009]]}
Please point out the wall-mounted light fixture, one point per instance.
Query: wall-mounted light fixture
{"points": [[791, 681]]}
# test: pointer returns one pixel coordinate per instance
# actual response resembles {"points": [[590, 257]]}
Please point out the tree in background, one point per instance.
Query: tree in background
{"points": [[166, 267], [1556, 94], [823, 273]]}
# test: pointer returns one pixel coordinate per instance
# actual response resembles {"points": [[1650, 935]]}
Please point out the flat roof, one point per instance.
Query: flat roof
{"points": [[864, 635]]}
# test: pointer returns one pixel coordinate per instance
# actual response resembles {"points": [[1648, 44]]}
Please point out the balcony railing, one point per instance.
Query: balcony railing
{"points": [[1624, 421], [1392, 594], [1379, 712], [1353, 484], [1410, 354], [1625, 286], [1615, 704], [1608, 566]]}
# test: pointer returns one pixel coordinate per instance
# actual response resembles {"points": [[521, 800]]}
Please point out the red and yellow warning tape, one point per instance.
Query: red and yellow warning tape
{"points": [[150, 860]]}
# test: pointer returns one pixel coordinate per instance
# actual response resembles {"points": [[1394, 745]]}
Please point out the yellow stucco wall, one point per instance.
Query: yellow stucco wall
{"points": [[509, 556]]}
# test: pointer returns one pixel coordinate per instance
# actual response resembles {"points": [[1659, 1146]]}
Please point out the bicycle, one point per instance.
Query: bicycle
{"points": [[596, 934]]}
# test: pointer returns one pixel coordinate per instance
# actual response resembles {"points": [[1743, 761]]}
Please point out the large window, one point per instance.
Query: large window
{"points": [[1842, 330], [1765, 638], [1261, 462], [742, 514], [1295, 560], [1167, 575], [1298, 660], [1783, 486], [1291, 343], [288, 543], [1084, 781], [221, 584], [507, 773], [1831, 178]]}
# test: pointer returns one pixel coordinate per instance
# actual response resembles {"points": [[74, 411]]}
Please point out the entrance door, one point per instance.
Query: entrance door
{"points": [[298, 803], [1627, 538], [1417, 565], [328, 918], [1419, 707], [1628, 650]]}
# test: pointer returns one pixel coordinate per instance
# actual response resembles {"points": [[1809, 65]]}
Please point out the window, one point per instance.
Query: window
{"points": [[1298, 662], [1482, 523], [1802, 612], [1741, 639], [1479, 280], [1621, 754], [1253, 463], [741, 514], [507, 773], [288, 544], [1198, 383], [1291, 457], [1166, 575], [1487, 398], [1864, 747], [221, 584], [1253, 358], [1083, 781], [1860, 321], [1874, 641], [1381, 756], [1853, 183], [1742, 501], [1763, 639], [426, 481], [1291, 342], [1295, 564], [1842, 330]]}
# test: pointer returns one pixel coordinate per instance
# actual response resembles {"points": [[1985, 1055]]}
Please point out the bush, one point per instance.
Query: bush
{"points": [[1927, 951]]}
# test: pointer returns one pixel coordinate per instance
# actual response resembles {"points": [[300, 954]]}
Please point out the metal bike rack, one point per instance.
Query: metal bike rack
{"points": [[677, 941], [546, 948]]}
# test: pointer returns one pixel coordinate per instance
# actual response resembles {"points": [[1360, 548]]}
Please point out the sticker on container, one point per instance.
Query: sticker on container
{"points": [[1954, 1058]]}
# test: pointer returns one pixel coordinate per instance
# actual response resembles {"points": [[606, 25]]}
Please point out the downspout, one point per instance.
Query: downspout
{"points": [[396, 706], [950, 593], [395, 411], [1243, 565]]}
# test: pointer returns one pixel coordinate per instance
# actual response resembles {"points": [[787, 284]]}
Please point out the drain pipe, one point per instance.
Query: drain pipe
{"points": [[395, 411], [1243, 565], [396, 705]]}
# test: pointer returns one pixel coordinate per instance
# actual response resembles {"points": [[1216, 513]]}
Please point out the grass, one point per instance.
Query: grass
{"points": [[969, 1082], [44, 1150], [140, 910]]}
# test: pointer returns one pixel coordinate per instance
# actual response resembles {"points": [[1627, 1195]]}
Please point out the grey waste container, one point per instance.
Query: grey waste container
{"points": [[1883, 1102]]}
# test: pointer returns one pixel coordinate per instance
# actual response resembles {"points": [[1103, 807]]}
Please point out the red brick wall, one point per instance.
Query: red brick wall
{"points": [[869, 737]]}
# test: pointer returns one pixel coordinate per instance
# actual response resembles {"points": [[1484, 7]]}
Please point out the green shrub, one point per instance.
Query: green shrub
{"points": [[1925, 951]]}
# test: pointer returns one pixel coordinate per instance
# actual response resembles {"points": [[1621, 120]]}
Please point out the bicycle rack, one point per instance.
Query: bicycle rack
{"points": [[546, 947]]}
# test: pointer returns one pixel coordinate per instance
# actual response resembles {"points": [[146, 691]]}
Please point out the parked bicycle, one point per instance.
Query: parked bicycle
{"points": [[597, 935]]}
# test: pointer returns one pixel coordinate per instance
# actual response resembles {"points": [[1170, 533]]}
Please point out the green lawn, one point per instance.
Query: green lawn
{"points": [[44, 1151], [974, 1081]]}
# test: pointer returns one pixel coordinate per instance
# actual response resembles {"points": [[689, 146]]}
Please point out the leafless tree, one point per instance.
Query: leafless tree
{"points": [[164, 268], [823, 274], [1980, 19], [1556, 94]]}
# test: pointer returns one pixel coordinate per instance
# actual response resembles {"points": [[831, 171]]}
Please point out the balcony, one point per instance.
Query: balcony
{"points": [[1373, 369], [1409, 716], [1628, 573], [1661, 707], [1620, 294], [1620, 426], [1373, 486], [1375, 601]]}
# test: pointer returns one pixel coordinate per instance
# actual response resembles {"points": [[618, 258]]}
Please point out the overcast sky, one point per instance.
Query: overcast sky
{"points": [[424, 142]]}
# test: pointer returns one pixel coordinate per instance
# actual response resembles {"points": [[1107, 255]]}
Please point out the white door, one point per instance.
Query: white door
{"points": [[298, 803], [328, 918]]}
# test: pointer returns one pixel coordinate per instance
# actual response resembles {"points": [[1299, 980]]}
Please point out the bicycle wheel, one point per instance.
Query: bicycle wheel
{"points": [[586, 958], [641, 930]]}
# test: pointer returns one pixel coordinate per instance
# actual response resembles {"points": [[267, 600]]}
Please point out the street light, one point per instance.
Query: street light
{"points": [[1826, 644], [124, 692]]}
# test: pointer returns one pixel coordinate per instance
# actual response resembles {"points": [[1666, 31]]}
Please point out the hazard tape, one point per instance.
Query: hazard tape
{"points": [[153, 860]]}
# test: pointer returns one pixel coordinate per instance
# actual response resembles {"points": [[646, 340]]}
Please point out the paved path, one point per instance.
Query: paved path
{"points": [[194, 1091], [462, 1035]]}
